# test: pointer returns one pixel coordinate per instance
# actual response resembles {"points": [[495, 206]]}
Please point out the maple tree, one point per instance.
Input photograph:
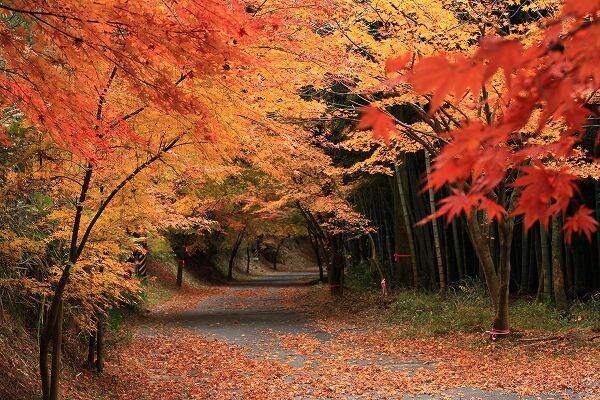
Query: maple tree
{"points": [[492, 161], [85, 48], [376, 33]]}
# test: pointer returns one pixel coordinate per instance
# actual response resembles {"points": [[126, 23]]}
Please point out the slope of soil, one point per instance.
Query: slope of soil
{"points": [[18, 361]]}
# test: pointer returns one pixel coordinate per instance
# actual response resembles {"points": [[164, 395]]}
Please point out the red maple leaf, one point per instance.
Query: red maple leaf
{"points": [[493, 209], [544, 193], [440, 76], [499, 53], [4, 140], [580, 222], [454, 205], [380, 122], [395, 64]]}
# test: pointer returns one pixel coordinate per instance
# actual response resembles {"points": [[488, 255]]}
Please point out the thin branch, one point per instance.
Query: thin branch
{"points": [[117, 188], [142, 108], [57, 15]]}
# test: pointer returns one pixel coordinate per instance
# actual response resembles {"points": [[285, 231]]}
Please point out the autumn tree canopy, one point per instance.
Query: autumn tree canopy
{"points": [[551, 81]]}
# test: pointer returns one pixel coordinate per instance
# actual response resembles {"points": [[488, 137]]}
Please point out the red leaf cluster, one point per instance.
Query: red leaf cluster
{"points": [[558, 76], [580, 222], [381, 123], [59, 59], [544, 193]]}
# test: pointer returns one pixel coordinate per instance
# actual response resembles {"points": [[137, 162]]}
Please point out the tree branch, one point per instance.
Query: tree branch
{"points": [[117, 188]]}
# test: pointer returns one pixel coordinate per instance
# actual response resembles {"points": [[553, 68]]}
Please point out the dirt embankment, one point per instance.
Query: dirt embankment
{"points": [[294, 255], [18, 360]]}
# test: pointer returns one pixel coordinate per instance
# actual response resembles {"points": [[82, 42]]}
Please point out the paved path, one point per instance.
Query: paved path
{"points": [[255, 315]]}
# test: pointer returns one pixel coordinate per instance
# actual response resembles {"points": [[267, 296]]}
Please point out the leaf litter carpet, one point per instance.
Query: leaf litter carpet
{"points": [[269, 339]]}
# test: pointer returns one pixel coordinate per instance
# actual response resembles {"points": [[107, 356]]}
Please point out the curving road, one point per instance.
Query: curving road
{"points": [[256, 315]]}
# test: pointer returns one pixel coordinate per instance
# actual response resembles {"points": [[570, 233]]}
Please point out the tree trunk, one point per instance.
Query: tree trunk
{"points": [[100, 344], [375, 257], [558, 283], [91, 356], [546, 266], [336, 277], [419, 209], [234, 251], [247, 259], [322, 241], [44, 373], [505, 233], [388, 245], [457, 251], [524, 261], [539, 265], [56, 355], [408, 226], [597, 203], [484, 256], [436, 236], [501, 319], [180, 265], [569, 270], [315, 246]]}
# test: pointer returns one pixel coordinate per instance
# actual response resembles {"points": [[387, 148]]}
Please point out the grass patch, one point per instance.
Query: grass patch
{"points": [[466, 308], [430, 314], [160, 248], [527, 314], [155, 293], [363, 276]]}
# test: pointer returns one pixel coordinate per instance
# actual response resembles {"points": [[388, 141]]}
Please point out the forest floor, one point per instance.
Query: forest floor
{"points": [[280, 336]]}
